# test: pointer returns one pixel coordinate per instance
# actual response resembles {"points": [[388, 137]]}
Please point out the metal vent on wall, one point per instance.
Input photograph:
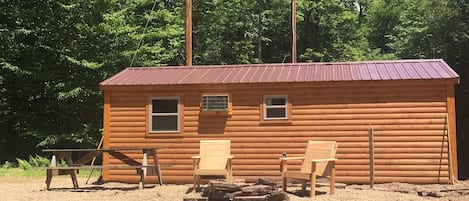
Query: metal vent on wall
{"points": [[215, 103]]}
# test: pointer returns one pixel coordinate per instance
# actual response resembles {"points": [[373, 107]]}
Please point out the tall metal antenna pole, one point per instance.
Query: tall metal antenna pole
{"points": [[293, 27], [188, 32]]}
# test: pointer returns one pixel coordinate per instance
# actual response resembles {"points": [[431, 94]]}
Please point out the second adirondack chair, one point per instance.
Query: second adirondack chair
{"points": [[319, 160]]}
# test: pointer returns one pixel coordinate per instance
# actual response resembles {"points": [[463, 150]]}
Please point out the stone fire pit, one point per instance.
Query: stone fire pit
{"points": [[262, 190]]}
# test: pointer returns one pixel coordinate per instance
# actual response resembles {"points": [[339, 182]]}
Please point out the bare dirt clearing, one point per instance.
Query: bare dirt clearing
{"points": [[34, 189]]}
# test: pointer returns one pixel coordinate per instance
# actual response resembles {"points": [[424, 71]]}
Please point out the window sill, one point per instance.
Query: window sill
{"points": [[221, 113], [275, 121], [164, 134]]}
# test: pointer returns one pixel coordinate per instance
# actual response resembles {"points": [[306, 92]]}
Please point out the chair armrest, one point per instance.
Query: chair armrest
{"points": [[195, 157], [230, 157], [324, 160], [292, 158]]}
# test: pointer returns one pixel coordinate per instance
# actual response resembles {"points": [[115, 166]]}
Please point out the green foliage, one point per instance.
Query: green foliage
{"points": [[24, 164], [123, 25], [432, 29], [381, 18], [221, 35], [274, 37], [329, 31], [50, 72], [7, 165], [38, 161], [32, 162]]}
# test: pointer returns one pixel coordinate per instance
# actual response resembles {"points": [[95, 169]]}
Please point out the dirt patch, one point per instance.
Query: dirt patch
{"points": [[34, 189]]}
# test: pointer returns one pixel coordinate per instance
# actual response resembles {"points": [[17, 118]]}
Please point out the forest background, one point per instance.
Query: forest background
{"points": [[54, 53]]}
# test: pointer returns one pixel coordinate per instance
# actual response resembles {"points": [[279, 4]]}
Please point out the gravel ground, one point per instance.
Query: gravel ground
{"points": [[34, 189]]}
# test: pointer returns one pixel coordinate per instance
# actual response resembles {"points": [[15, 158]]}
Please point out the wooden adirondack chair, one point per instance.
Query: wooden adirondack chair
{"points": [[319, 160], [214, 161]]}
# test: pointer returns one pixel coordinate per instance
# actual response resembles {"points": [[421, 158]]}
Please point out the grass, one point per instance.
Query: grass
{"points": [[20, 173], [33, 167], [37, 173]]}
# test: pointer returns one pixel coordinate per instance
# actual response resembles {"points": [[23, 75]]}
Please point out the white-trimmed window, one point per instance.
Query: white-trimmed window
{"points": [[276, 107], [216, 103], [164, 115]]}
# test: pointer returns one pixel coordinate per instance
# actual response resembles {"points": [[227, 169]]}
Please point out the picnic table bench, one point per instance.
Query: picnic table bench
{"points": [[72, 167]]}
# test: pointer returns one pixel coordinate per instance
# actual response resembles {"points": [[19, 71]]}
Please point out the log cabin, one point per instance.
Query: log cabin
{"points": [[268, 109]]}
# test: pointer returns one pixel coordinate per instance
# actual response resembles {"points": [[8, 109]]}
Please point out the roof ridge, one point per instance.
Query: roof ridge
{"points": [[285, 64], [406, 69]]}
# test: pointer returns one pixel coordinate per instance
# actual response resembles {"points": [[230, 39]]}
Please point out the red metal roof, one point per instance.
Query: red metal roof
{"points": [[426, 69]]}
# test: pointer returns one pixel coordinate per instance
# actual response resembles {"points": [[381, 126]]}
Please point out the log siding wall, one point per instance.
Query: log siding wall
{"points": [[409, 126]]}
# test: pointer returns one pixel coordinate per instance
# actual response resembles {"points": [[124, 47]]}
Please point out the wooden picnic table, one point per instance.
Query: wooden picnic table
{"points": [[72, 166]]}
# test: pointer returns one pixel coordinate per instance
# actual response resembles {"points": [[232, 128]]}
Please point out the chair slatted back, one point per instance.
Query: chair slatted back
{"points": [[319, 150], [214, 154]]}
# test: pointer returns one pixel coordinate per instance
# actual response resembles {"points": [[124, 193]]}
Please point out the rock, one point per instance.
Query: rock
{"points": [[216, 182], [194, 197], [463, 192], [263, 181], [220, 192], [256, 190], [263, 190], [238, 182], [435, 194], [218, 196], [231, 196], [228, 188], [278, 196], [251, 198]]}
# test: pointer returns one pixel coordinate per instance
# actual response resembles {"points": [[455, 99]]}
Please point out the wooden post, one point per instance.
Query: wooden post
{"points": [[451, 130], [372, 156], [452, 179], [143, 172], [293, 26], [73, 173], [259, 30], [51, 172], [106, 132], [283, 168], [157, 165], [332, 186], [229, 176], [188, 32], [312, 193]]}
